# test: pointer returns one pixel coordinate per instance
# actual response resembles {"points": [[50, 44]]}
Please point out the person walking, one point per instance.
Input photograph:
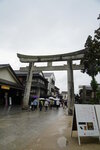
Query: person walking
{"points": [[46, 105], [35, 104], [40, 105], [32, 106], [51, 104], [57, 104]]}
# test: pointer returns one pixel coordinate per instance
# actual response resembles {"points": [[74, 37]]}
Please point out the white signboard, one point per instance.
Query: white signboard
{"points": [[86, 120], [97, 108]]}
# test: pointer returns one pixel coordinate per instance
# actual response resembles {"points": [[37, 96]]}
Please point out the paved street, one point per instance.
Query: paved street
{"points": [[18, 129], [29, 130]]}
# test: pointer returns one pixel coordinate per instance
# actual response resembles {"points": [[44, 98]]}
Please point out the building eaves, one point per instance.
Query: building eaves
{"points": [[11, 84], [12, 72]]}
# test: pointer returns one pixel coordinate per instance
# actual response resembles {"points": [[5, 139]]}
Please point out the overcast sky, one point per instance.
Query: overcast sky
{"points": [[42, 27]]}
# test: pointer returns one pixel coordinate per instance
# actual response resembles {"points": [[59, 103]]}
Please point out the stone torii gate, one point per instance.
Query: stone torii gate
{"points": [[69, 57]]}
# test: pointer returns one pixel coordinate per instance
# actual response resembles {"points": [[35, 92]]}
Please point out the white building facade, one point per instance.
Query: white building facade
{"points": [[51, 83]]}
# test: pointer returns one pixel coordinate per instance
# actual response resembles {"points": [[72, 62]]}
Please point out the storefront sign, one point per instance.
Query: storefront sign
{"points": [[5, 87]]}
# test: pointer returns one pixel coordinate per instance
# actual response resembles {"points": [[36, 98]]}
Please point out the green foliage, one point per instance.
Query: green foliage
{"points": [[91, 59], [94, 85], [94, 101], [98, 96], [97, 35]]}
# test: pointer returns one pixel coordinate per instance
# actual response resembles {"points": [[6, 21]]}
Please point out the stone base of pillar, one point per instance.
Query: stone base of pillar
{"points": [[70, 112], [25, 107]]}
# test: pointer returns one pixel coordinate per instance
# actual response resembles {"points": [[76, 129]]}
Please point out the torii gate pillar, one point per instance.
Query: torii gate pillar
{"points": [[70, 87], [27, 87]]}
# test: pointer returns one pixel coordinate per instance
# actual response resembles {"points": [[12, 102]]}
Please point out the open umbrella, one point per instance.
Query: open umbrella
{"points": [[52, 98], [35, 96], [42, 99], [57, 99]]}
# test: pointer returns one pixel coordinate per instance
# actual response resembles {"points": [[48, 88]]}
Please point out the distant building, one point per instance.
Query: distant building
{"points": [[10, 86], [51, 83], [39, 83], [86, 93], [56, 92]]}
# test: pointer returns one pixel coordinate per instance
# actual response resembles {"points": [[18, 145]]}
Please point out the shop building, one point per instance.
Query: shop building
{"points": [[51, 83], [11, 89], [39, 83]]}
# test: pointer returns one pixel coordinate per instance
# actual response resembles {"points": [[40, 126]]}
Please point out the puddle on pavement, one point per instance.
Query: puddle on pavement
{"points": [[62, 142]]}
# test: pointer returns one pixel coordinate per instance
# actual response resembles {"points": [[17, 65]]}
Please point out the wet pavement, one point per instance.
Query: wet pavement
{"points": [[29, 130], [24, 130]]}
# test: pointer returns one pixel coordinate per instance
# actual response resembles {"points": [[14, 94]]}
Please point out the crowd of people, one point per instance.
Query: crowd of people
{"points": [[46, 104]]}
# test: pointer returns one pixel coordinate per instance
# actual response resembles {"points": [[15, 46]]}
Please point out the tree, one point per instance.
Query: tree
{"points": [[97, 47], [91, 59], [94, 86]]}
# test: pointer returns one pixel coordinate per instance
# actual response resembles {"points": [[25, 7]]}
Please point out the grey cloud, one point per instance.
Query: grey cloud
{"points": [[45, 27]]}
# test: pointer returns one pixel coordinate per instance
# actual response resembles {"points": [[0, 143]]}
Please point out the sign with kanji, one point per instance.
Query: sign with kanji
{"points": [[86, 121]]}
